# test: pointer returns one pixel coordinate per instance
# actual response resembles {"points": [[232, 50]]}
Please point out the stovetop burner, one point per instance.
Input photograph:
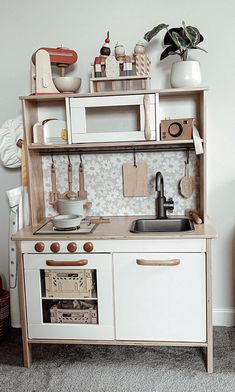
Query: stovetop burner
{"points": [[84, 228], [66, 228]]}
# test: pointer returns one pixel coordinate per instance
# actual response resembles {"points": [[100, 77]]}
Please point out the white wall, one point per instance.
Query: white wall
{"points": [[27, 25]]}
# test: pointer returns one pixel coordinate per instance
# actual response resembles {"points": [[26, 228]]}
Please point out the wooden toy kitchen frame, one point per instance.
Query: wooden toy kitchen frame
{"points": [[151, 288]]}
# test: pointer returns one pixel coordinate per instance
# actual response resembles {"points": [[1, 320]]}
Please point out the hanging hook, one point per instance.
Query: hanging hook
{"points": [[69, 160], [52, 161], [80, 155], [134, 157], [187, 156]]}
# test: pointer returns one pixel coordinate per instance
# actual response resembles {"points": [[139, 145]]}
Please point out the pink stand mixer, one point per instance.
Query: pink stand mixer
{"points": [[42, 61]]}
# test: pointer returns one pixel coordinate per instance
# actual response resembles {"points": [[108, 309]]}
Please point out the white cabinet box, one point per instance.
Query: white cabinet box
{"points": [[160, 302], [112, 118]]}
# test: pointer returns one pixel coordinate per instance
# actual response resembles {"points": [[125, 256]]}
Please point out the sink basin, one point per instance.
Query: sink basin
{"points": [[162, 225]]}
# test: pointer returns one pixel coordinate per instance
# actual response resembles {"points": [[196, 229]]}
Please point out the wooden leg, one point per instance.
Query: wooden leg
{"points": [[27, 349], [147, 84], [91, 87], [209, 308], [97, 87], [27, 353], [209, 360]]}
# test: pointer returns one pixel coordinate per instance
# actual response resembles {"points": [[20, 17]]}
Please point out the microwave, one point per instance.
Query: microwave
{"points": [[113, 118]]}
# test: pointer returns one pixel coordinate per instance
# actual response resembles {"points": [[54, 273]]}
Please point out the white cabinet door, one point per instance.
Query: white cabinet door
{"points": [[39, 303], [163, 303]]}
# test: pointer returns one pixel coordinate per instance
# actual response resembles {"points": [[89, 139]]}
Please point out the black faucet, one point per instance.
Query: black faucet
{"points": [[162, 205]]}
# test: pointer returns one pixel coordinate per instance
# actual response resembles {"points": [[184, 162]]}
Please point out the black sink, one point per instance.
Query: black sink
{"points": [[162, 225]]}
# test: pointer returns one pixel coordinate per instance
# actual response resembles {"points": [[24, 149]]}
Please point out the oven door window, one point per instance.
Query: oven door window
{"points": [[69, 296]]}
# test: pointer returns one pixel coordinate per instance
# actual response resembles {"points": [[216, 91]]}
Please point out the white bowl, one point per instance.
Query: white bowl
{"points": [[67, 84], [66, 221]]}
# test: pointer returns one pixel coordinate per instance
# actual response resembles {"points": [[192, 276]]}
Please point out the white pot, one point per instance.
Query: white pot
{"points": [[185, 74], [66, 221], [74, 206]]}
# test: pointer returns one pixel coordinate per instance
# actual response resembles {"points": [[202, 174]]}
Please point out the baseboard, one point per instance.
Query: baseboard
{"points": [[224, 317]]}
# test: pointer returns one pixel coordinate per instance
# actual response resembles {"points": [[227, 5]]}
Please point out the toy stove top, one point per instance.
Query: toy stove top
{"points": [[85, 227]]}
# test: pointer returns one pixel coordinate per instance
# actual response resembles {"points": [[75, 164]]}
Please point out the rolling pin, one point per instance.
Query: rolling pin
{"points": [[194, 216]]}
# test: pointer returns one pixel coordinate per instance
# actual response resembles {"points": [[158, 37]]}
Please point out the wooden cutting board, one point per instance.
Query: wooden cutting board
{"points": [[135, 179], [186, 184]]}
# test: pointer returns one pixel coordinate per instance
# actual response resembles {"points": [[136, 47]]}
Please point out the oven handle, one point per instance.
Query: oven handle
{"points": [[77, 263]]}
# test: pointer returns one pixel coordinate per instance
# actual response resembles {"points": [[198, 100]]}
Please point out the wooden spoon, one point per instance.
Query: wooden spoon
{"points": [[81, 193]]}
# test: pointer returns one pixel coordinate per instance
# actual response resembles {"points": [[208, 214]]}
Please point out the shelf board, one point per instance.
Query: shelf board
{"points": [[112, 146], [161, 92]]}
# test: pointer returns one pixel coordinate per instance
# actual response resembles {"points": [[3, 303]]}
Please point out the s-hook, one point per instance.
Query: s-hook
{"points": [[134, 158]]}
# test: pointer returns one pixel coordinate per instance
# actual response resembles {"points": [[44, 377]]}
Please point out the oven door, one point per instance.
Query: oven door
{"points": [[69, 296]]}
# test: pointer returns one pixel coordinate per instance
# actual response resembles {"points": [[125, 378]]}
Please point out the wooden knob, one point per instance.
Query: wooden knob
{"points": [[88, 247], [39, 247], [72, 247], [55, 247]]}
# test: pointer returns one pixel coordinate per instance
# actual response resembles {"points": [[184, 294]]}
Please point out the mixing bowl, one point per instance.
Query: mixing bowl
{"points": [[67, 84]]}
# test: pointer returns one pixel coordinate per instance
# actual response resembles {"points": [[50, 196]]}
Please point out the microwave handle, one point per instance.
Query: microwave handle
{"points": [[147, 129]]}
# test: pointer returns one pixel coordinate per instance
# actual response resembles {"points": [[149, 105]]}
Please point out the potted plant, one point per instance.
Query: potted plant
{"points": [[178, 41]]}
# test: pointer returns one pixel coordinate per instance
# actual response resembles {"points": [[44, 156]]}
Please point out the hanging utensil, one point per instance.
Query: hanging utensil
{"points": [[135, 178], [69, 193], [53, 195], [81, 193], [186, 183]]}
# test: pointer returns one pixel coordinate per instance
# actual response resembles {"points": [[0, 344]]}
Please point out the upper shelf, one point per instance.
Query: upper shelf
{"points": [[163, 92]]}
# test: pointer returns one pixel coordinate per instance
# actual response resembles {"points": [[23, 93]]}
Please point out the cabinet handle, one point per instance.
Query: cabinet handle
{"points": [[147, 129], [169, 263], [78, 263]]}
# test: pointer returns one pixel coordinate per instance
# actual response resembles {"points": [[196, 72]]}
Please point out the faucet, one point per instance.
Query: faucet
{"points": [[162, 205]]}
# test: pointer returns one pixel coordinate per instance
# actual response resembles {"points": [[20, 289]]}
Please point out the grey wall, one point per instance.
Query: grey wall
{"points": [[27, 25]]}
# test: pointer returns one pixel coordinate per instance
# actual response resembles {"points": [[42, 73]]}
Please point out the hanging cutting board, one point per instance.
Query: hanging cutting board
{"points": [[135, 179]]}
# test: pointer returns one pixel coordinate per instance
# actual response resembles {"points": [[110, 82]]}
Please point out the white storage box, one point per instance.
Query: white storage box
{"points": [[70, 283], [60, 314]]}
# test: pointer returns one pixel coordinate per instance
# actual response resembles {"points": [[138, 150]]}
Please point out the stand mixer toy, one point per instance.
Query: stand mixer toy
{"points": [[43, 60]]}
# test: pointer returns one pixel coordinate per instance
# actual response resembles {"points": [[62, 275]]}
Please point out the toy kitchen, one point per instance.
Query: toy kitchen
{"points": [[118, 208]]}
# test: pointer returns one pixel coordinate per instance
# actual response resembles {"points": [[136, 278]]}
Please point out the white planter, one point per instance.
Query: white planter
{"points": [[185, 74]]}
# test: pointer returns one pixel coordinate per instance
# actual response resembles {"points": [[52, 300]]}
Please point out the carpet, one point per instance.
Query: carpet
{"points": [[62, 368]]}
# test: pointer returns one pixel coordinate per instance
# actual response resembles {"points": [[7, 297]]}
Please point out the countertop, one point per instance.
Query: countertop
{"points": [[118, 229]]}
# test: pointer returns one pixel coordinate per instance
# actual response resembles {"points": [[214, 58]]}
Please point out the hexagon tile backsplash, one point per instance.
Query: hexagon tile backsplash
{"points": [[103, 181]]}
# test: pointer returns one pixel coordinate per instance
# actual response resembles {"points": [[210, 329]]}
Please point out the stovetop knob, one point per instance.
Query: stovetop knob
{"points": [[72, 247], [39, 247], [55, 247], [88, 247]]}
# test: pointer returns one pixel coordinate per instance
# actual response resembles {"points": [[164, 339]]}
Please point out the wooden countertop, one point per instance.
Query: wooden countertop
{"points": [[117, 229]]}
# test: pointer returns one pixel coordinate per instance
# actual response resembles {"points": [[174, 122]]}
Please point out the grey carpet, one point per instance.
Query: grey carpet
{"points": [[118, 369]]}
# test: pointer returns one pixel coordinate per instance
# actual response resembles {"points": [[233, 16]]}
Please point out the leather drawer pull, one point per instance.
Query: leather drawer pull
{"points": [[168, 263], [78, 263]]}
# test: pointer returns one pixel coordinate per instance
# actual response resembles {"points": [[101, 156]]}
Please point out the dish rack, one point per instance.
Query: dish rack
{"points": [[4, 310], [65, 312], [70, 283]]}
